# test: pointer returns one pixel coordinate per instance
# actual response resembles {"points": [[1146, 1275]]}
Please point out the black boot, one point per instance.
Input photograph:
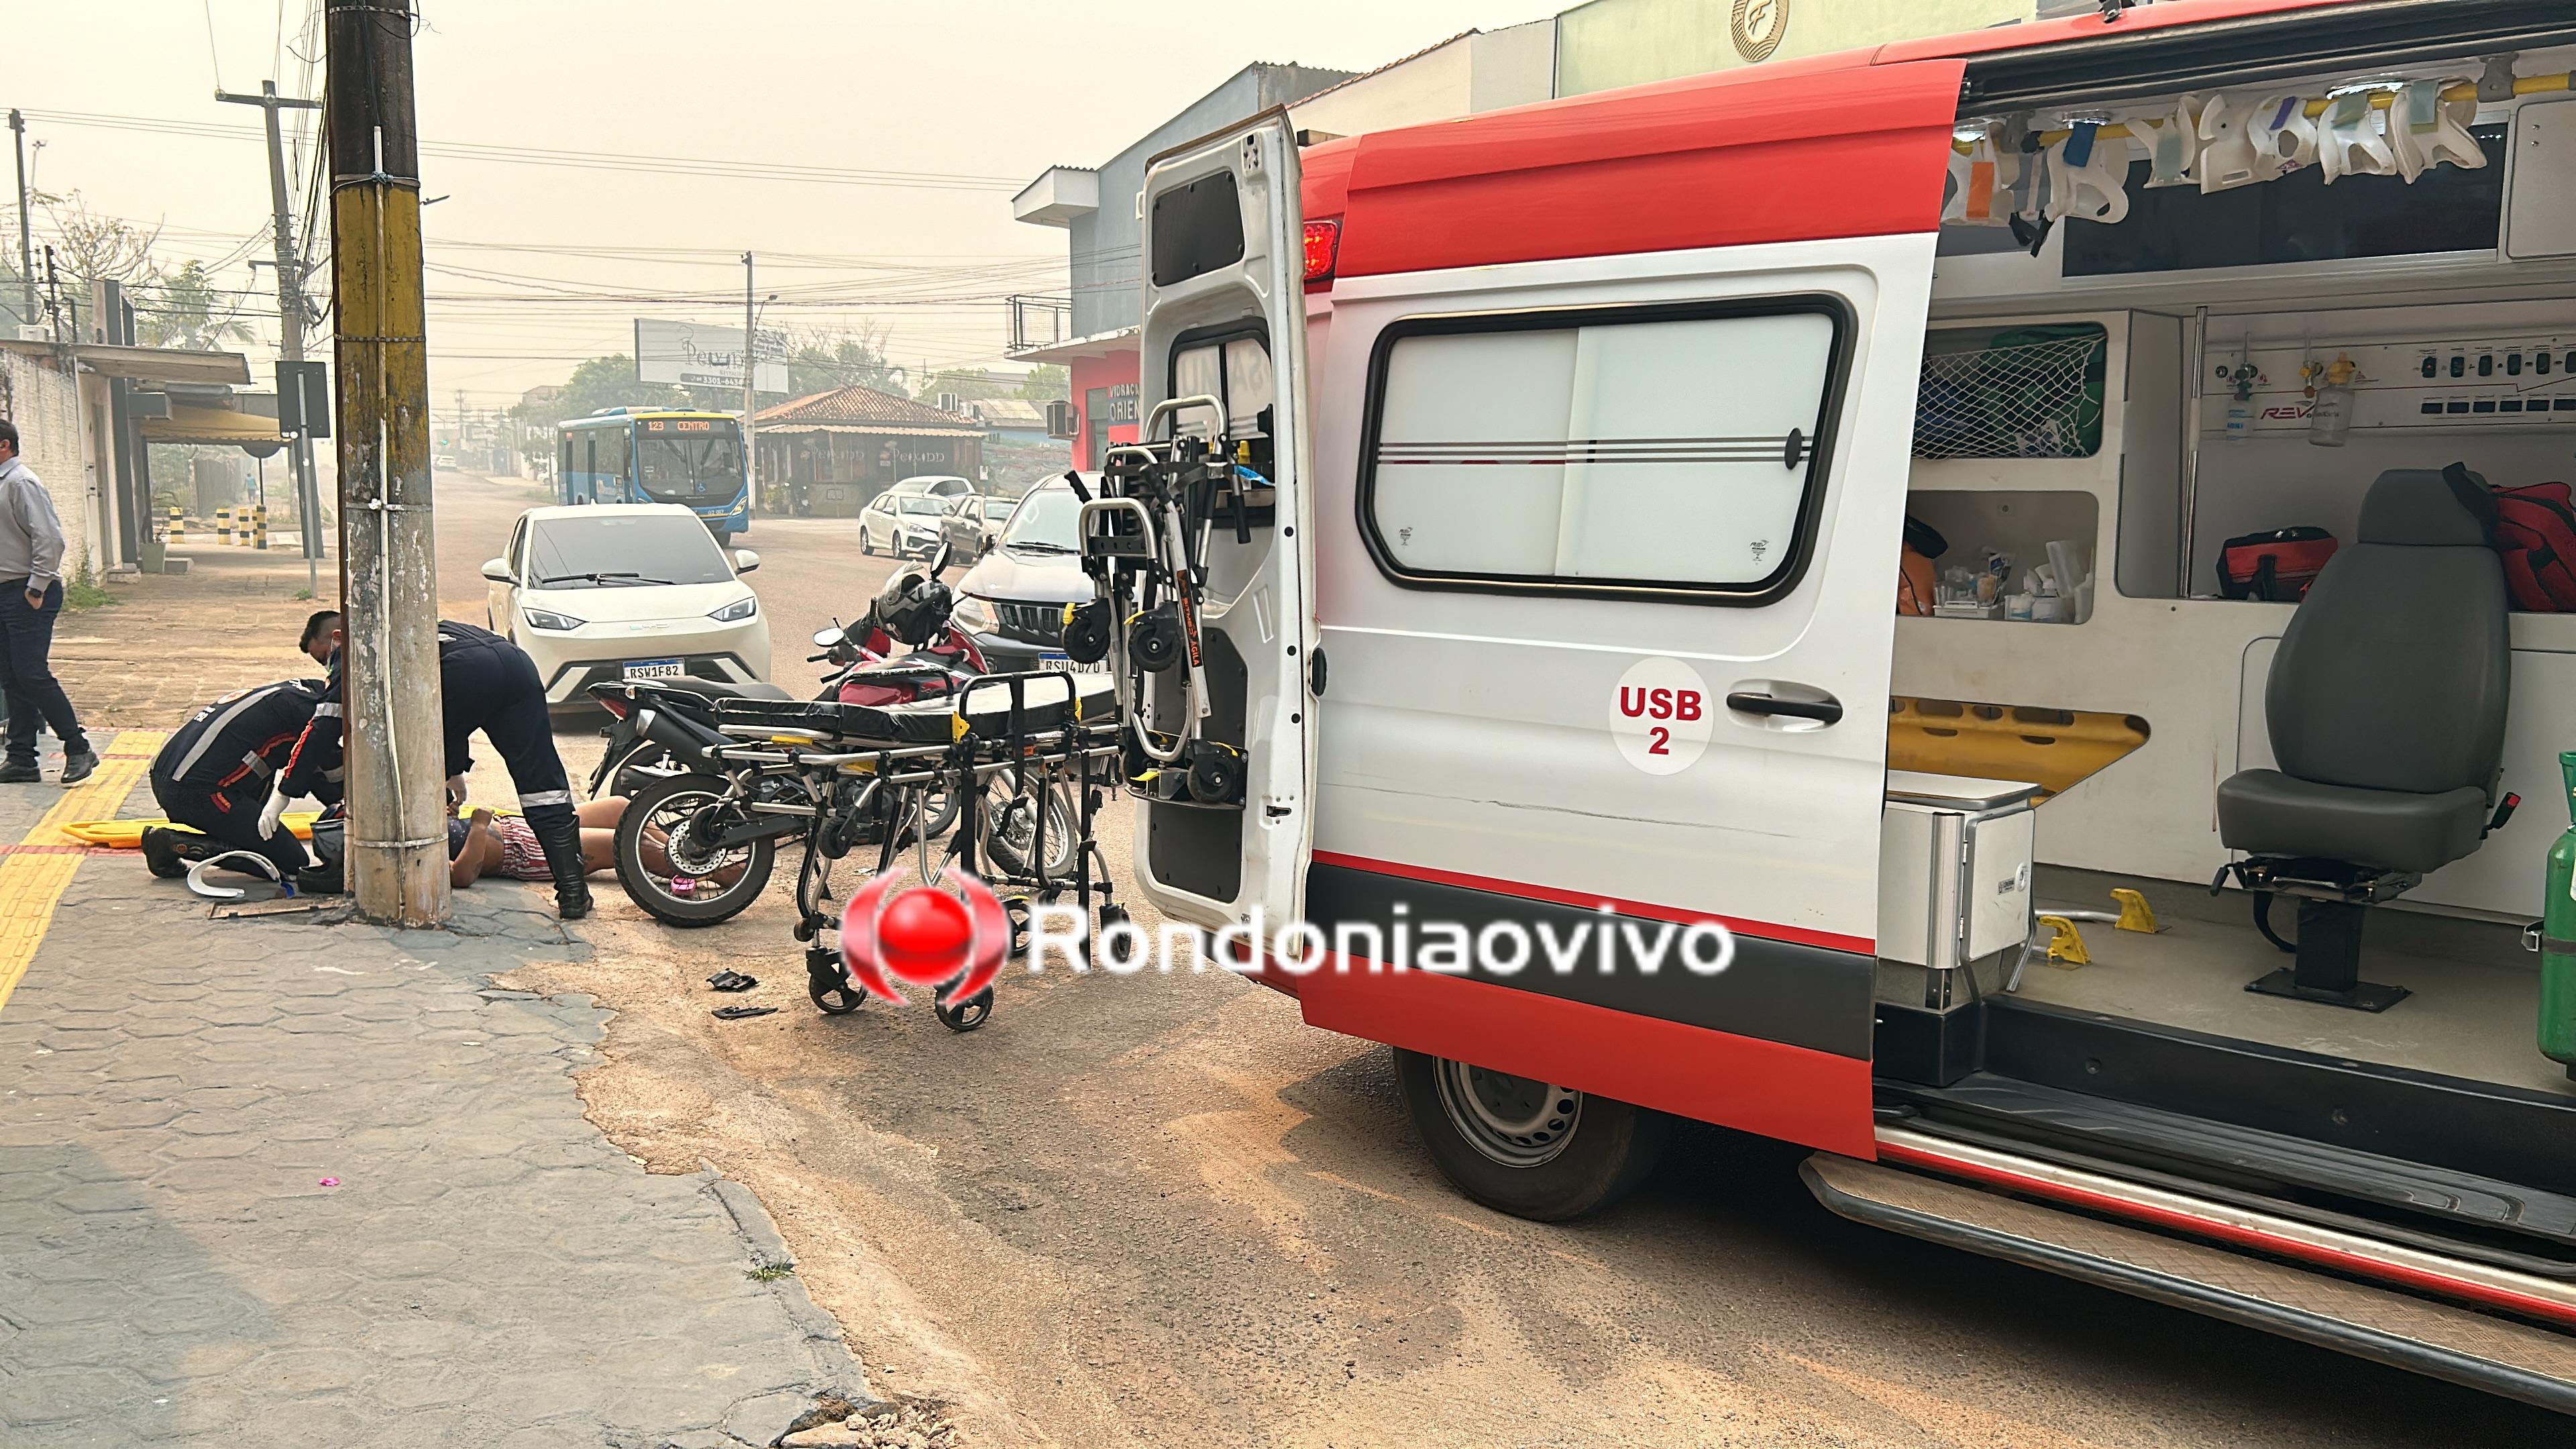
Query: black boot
{"points": [[561, 841]]}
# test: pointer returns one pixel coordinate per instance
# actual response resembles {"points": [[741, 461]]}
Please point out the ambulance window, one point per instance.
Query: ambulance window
{"points": [[1237, 370], [1667, 451]]}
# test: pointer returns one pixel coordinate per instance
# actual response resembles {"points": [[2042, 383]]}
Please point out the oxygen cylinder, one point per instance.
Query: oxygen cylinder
{"points": [[2558, 939]]}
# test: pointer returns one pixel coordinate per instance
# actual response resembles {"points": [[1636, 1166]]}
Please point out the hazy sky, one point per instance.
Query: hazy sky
{"points": [[993, 91]]}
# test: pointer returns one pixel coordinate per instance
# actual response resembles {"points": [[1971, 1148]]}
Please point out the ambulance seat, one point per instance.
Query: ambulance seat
{"points": [[2386, 707]]}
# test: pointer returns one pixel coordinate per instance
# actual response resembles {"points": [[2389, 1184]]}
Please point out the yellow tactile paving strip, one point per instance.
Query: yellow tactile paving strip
{"points": [[35, 873]]}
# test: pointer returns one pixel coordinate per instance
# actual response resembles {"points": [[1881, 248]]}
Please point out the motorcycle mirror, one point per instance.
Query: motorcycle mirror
{"points": [[939, 560], [827, 638]]}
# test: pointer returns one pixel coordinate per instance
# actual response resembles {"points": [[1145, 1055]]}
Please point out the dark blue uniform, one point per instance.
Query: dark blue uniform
{"points": [[489, 684], [214, 773]]}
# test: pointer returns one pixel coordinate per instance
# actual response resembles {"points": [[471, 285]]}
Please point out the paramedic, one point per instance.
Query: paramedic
{"points": [[215, 771], [31, 595], [485, 683]]}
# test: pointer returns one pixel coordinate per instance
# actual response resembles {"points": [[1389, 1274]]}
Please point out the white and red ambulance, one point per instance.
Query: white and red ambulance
{"points": [[1599, 429]]}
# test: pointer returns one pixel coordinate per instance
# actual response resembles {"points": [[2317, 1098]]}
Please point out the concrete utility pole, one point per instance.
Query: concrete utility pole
{"points": [[26, 250], [397, 833], [750, 398], [290, 312]]}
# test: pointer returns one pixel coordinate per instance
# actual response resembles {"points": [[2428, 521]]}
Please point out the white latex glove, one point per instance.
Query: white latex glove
{"points": [[272, 812], [455, 792]]}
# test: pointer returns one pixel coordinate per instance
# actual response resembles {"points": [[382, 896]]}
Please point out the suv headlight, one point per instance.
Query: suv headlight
{"points": [[974, 616], [552, 622], [738, 609]]}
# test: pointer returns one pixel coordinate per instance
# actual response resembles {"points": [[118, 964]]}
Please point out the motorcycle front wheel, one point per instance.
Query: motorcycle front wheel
{"points": [[1009, 822], [666, 865]]}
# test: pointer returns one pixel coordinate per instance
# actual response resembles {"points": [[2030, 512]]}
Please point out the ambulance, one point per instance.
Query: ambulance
{"points": [[2044, 535]]}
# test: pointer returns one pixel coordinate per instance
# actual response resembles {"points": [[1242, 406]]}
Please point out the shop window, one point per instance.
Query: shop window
{"points": [[1674, 451]]}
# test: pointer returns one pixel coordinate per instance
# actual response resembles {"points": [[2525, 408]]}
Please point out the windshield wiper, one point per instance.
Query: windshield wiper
{"points": [[1039, 545], [606, 578]]}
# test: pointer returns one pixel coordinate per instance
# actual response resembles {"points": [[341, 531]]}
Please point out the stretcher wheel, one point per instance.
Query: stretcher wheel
{"points": [[1016, 908], [968, 1014], [835, 998]]}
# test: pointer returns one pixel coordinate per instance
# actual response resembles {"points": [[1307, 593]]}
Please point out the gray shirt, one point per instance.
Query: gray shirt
{"points": [[31, 535]]}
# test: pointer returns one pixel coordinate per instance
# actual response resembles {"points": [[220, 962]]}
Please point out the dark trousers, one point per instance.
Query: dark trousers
{"points": [[231, 817], [27, 675], [494, 688]]}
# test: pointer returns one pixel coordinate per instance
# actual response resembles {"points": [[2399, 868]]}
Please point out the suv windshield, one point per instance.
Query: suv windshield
{"points": [[706, 468], [623, 549], [1045, 522]]}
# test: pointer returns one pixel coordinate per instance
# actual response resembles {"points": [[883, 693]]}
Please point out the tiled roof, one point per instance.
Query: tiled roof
{"points": [[863, 405], [1008, 412]]}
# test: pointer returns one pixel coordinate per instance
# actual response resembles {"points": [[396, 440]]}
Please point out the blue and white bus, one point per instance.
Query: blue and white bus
{"points": [[657, 455]]}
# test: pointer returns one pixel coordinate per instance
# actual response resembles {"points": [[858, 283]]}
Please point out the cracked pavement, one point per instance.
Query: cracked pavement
{"points": [[275, 1181]]}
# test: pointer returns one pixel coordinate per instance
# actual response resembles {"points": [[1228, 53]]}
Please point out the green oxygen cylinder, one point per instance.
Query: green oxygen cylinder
{"points": [[2558, 939]]}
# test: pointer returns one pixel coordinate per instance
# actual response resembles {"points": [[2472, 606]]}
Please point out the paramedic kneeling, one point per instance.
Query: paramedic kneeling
{"points": [[485, 683], [214, 773]]}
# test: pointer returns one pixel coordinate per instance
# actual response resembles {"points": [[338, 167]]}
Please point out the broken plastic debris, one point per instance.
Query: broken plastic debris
{"points": [[330, 1182]]}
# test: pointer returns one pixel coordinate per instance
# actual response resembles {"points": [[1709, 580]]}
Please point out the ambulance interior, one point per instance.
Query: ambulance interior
{"points": [[2310, 304]]}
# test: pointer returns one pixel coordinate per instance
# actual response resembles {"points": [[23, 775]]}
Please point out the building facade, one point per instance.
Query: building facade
{"points": [[1611, 43], [827, 455]]}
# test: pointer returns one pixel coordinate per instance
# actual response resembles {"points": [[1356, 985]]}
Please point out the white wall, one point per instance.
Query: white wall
{"points": [[1476, 72], [45, 405]]}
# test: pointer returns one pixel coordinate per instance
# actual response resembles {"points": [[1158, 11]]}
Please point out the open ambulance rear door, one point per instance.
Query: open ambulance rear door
{"points": [[1224, 318]]}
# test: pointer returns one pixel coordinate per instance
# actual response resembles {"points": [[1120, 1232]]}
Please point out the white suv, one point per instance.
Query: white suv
{"points": [[626, 591]]}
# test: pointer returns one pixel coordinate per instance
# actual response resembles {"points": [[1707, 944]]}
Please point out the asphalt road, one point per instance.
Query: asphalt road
{"points": [[1138, 1209]]}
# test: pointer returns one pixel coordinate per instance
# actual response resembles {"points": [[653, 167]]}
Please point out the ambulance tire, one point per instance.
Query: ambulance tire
{"points": [[1544, 1153]]}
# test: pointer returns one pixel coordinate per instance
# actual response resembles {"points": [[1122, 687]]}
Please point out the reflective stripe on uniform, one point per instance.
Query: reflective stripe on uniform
{"points": [[326, 710], [215, 728], [546, 797]]}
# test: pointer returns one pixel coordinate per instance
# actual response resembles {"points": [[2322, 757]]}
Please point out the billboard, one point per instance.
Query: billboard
{"points": [[695, 354]]}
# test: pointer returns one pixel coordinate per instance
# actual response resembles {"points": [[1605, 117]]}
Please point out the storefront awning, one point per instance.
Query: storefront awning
{"points": [[216, 426], [162, 364]]}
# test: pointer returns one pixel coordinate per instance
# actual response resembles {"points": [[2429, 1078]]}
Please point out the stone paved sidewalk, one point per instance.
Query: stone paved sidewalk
{"points": [[279, 1182]]}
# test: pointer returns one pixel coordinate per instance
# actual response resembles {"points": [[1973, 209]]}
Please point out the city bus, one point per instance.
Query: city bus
{"points": [[657, 455]]}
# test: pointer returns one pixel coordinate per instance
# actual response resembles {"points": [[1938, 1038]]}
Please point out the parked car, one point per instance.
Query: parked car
{"points": [[445, 460], [941, 485], [1013, 599], [626, 591], [903, 524], [975, 522]]}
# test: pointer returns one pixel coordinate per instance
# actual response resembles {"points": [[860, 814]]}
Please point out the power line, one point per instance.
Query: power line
{"points": [[613, 161]]}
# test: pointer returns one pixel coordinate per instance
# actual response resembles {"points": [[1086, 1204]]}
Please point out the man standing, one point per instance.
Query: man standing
{"points": [[488, 684], [31, 594]]}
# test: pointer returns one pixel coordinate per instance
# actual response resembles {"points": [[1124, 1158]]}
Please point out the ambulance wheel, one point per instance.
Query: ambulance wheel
{"points": [[968, 1014], [1525, 1147]]}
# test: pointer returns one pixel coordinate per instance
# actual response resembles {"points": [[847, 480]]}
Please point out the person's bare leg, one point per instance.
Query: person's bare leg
{"points": [[598, 849], [600, 814]]}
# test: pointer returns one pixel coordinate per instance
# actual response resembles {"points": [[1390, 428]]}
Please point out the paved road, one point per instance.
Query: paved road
{"points": [[1162, 1208]]}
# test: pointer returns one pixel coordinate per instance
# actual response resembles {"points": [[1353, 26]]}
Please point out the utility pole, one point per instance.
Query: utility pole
{"points": [[290, 313], [750, 399], [26, 251], [397, 833]]}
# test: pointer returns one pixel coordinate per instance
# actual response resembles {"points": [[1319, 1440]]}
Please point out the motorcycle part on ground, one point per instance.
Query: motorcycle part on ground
{"points": [[245, 862], [738, 1013], [731, 981], [1154, 639], [1086, 631]]}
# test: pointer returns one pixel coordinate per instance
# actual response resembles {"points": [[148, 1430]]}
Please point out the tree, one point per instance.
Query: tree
{"points": [[188, 311], [823, 361], [608, 382], [971, 384], [89, 247], [1047, 382]]}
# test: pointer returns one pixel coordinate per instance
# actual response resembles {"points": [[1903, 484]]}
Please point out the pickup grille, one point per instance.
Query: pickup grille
{"points": [[1032, 623]]}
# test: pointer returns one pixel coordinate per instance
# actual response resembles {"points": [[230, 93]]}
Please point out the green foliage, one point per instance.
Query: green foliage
{"points": [[971, 384], [842, 359], [81, 590], [1047, 382], [187, 310]]}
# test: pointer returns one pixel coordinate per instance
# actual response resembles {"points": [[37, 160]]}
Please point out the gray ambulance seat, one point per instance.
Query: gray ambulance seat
{"points": [[2387, 699]]}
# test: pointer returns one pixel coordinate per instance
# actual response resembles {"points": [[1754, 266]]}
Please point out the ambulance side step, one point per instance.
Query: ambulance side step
{"points": [[2494, 1354]]}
